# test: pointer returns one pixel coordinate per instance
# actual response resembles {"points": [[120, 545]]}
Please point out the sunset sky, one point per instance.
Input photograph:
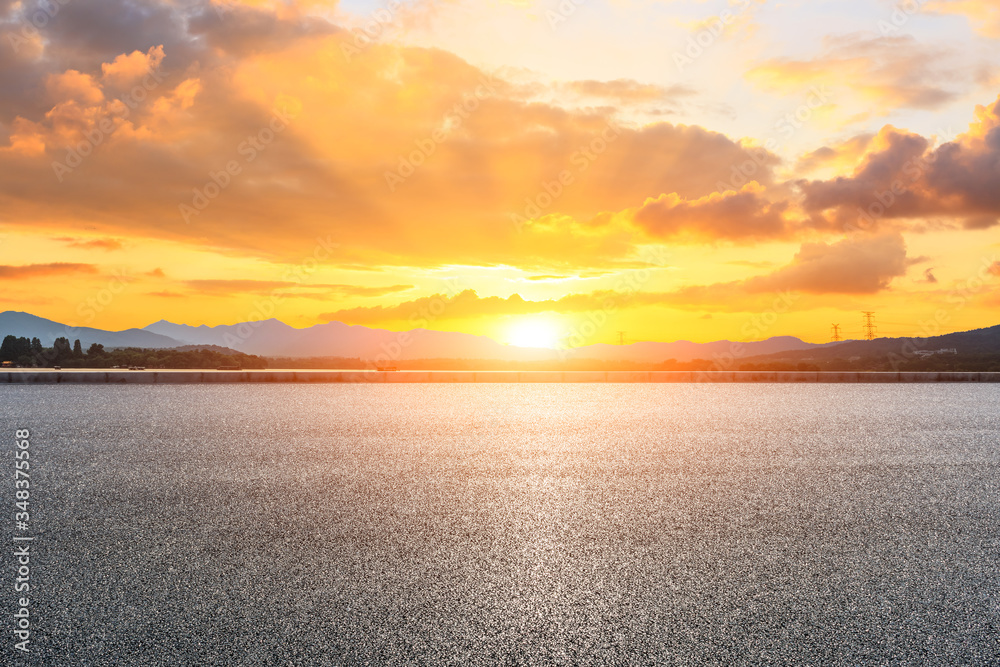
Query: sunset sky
{"points": [[689, 169]]}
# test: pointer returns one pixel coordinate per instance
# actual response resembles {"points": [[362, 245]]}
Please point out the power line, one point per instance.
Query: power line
{"points": [[869, 326]]}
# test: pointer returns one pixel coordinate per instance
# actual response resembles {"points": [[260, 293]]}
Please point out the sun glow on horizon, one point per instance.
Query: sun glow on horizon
{"points": [[533, 332]]}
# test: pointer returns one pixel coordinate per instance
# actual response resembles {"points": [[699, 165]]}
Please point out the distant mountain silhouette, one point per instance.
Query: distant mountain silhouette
{"points": [[274, 338], [335, 339], [31, 326]]}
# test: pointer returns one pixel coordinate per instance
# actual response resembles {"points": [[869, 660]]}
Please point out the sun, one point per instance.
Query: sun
{"points": [[535, 332]]}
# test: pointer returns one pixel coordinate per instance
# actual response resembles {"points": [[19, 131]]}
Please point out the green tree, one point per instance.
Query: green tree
{"points": [[8, 349], [61, 350], [96, 350], [77, 349], [36, 346]]}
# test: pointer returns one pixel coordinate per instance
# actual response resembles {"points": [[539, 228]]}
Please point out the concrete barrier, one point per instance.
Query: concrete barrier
{"points": [[346, 376], [671, 376], [959, 377], [450, 377], [628, 376], [407, 376], [878, 377], [587, 376], [918, 377], [795, 376], [491, 376], [46, 376], [837, 376], [542, 376], [713, 376]]}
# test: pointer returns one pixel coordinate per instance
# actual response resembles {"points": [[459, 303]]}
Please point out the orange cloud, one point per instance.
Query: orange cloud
{"points": [[281, 139], [903, 177], [851, 266], [626, 90], [869, 75], [98, 244], [983, 15], [74, 86], [473, 154], [838, 156], [742, 216], [468, 304], [227, 288], [127, 70], [8, 272]]}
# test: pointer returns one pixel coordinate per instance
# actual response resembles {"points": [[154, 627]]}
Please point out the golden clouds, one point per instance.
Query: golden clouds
{"points": [[869, 75], [743, 216], [558, 178], [83, 116], [321, 291], [983, 15], [851, 266], [625, 91], [73, 86], [839, 157], [864, 265], [33, 271], [484, 155], [126, 70], [903, 177], [93, 244]]}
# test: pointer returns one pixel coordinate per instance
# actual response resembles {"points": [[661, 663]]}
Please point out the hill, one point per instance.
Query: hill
{"points": [[976, 350]]}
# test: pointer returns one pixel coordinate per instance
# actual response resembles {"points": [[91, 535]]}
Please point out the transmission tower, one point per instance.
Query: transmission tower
{"points": [[836, 333], [621, 337], [869, 325]]}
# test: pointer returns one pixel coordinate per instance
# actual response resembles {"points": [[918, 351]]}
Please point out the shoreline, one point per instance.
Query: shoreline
{"points": [[83, 376]]}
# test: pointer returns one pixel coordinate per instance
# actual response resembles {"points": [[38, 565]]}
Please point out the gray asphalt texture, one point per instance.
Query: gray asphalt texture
{"points": [[508, 524]]}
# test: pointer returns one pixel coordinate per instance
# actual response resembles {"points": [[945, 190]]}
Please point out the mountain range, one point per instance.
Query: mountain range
{"points": [[273, 338]]}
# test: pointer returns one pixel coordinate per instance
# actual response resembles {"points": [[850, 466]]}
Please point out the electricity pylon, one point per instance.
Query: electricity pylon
{"points": [[869, 325], [621, 337], [836, 333]]}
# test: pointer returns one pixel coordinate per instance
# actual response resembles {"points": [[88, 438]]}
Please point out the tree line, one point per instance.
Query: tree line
{"points": [[30, 353]]}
